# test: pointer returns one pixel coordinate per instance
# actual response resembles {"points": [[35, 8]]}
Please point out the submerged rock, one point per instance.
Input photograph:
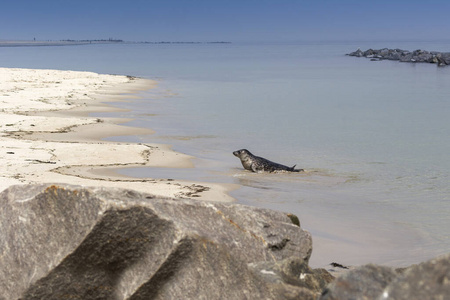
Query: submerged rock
{"points": [[69, 242]]}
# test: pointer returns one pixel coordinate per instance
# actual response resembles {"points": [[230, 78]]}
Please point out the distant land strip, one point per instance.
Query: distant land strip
{"points": [[417, 56], [70, 42]]}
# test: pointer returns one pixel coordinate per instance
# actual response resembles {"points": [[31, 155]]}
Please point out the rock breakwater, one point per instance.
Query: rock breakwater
{"points": [[417, 56]]}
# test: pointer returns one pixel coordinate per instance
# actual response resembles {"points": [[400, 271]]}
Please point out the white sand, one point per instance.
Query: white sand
{"points": [[47, 136]]}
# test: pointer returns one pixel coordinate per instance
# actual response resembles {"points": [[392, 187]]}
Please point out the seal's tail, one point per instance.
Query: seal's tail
{"points": [[293, 169]]}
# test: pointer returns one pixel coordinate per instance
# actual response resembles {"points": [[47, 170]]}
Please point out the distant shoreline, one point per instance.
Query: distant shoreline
{"points": [[90, 42], [40, 43]]}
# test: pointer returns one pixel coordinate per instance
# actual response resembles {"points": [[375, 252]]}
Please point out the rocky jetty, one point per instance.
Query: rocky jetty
{"points": [[417, 56], [71, 242]]}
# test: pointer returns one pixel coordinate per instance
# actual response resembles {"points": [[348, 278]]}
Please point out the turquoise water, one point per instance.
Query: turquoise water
{"points": [[373, 136]]}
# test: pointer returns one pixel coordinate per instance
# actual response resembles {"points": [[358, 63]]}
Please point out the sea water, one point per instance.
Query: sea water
{"points": [[373, 137]]}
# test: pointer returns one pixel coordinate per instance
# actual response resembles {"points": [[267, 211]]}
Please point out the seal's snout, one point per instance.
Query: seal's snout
{"points": [[236, 153]]}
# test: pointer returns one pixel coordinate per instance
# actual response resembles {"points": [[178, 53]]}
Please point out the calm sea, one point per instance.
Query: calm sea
{"points": [[373, 136]]}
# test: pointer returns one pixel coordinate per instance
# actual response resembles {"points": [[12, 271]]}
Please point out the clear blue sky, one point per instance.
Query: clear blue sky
{"points": [[228, 20]]}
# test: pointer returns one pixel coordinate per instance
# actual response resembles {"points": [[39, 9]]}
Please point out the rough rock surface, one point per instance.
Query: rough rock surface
{"points": [[294, 271], [366, 282], [440, 58], [69, 242], [428, 280]]}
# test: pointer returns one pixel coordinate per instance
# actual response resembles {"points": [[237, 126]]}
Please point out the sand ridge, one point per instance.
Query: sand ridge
{"points": [[46, 135]]}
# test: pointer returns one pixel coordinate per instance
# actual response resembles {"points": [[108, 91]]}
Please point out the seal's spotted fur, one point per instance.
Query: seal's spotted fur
{"points": [[258, 164]]}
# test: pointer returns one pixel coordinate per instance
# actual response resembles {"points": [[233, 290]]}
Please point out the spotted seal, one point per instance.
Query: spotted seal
{"points": [[258, 164]]}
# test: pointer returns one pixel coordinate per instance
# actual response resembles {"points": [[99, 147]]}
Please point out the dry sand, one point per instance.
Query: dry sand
{"points": [[47, 135]]}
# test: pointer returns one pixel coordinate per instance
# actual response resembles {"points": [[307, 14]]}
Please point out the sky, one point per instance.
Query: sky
{"points": [[225, 20]]}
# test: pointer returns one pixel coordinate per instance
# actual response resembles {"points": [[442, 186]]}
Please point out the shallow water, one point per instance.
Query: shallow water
{"points": [[373, 136]]}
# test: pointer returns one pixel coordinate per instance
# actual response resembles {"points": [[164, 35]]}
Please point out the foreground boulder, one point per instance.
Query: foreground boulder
{"points": [[69, 242], [366, 282], [428, 280]]}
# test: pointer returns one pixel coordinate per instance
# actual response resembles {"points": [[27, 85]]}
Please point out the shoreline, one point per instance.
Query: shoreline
{"points": [[48, 135]]}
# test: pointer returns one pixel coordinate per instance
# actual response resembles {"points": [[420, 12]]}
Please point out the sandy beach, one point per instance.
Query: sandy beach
{"points": [[47, 135]]}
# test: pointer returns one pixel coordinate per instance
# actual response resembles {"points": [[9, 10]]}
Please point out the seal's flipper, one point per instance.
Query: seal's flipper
{"points": [[257, 169]]}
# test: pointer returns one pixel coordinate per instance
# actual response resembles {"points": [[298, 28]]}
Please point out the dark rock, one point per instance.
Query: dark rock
{"points": [[443, 59], [429, 280], [394, 56], [384, 52], [434, 60], [293, 271], [368, 52], [337, 269], [417, 56], [68, 242], [357, 53], [338, 265], [406, 58], [294, 219], [421, 56], [366, 282]]}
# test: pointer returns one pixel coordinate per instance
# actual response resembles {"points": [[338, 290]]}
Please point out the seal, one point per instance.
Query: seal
{"points": [[258, 164]]}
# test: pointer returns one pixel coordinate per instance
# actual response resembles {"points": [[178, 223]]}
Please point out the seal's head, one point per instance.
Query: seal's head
{"points": [[246, 158], [242, 153]]}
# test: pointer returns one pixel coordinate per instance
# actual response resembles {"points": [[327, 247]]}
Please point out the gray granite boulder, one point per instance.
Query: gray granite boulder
{"points": [[428, 280], [366, 282], [70, 242], [443, 59], [293, 271], [357, 53]]}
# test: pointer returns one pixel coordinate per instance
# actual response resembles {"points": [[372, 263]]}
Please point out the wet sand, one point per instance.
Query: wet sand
{"points": [[48, 136]]}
